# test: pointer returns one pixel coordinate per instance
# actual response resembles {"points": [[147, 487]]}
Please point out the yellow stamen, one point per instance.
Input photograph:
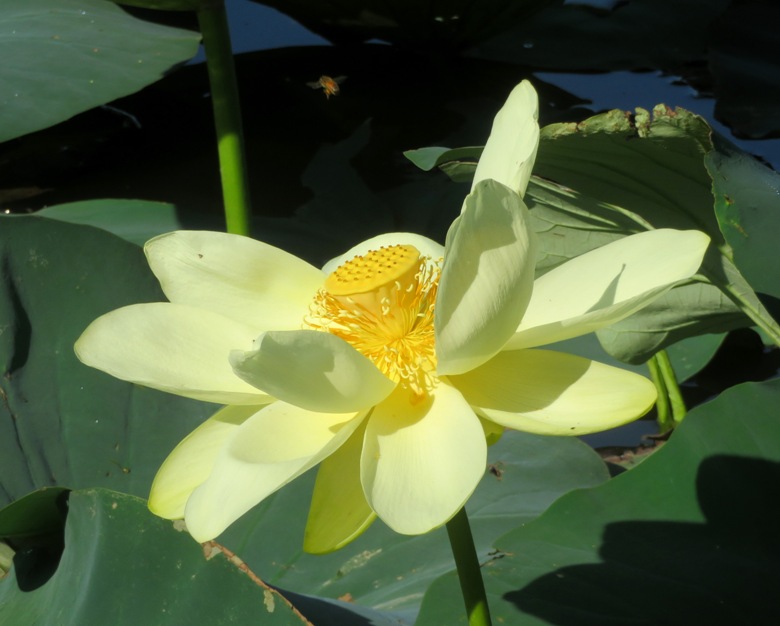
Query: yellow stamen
{"points": [[382, 304]]}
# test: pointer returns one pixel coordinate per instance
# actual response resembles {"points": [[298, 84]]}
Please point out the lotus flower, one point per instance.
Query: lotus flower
{"points": [[392, 365]]}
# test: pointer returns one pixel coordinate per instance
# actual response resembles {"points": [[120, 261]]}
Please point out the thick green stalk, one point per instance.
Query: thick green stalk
{"points": [[676, 401], [227, 117], [665, 420], [471, 584]]}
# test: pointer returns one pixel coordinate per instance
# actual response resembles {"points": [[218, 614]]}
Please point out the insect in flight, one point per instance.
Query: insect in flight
{"points": [[329, 85]]}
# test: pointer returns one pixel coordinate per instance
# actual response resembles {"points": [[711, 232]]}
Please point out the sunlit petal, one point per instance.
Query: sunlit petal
{"points": [[422, 461], [486, 280], [191, 462], [427, 247], [339, 512], [608, 284], [241, 278], [510, 152], [313, 370], [266, 452], [173, 348], [550, 393]]}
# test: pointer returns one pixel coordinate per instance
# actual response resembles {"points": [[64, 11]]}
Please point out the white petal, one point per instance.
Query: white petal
{"points": [[608, 284], [314, 370], [191, 462], [427, 247], [511, 149], [266, 452], [486, 279], [339, 512], [421, 461], [173, 348], [550, 393], [241, 278]]}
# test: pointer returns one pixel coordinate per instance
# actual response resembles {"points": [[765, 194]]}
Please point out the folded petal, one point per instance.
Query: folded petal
{"points": [[511, 148], [339, 512], [486, 280], [173, 348], [427, 247], [422, 461], [313, 370], [551, 393], [191, 462], [608, 284], [241, 278], [262, 455]]}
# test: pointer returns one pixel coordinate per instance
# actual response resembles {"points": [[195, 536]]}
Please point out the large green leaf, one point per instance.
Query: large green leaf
{"points": [[122, 565], [136, 221], [649, 164], [62, 423], [634, 172], [688, 536], [62, 57]]}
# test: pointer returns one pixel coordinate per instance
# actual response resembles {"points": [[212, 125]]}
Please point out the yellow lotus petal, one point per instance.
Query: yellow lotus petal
{"points": [[262, 455], [191, 462], [486, 279], [422, 461], [339, 512], [173, 348], [608, 284], [241, 278], [313, 370], [427, 247], [510, 151], [551, 393]]}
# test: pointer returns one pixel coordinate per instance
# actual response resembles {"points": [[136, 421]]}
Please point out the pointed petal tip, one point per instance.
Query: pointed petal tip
{"points": [[510, 151]]}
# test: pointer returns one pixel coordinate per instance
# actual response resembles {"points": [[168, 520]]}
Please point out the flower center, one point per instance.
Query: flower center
{"points": [[382, 304]]}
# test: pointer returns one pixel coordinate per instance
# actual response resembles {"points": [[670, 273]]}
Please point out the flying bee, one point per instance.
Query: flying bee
{"points": [[329, 85]]}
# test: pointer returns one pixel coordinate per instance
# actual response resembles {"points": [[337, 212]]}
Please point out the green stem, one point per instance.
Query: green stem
{"points": [[673, 392], [227, 117], [665, 420], [471, 584]]}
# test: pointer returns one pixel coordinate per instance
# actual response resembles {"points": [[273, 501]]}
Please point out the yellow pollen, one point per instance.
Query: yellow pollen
{"points": [[382, 304]]}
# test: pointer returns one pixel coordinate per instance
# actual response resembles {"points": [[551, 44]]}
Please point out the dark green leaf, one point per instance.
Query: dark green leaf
{"points": [[33, 517], [631, 173], [136, 221], [122, 565], [62, 423], [62, 57], [747, 205], [692, 354], [428, 158], [650, 165], [688, 536]]}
